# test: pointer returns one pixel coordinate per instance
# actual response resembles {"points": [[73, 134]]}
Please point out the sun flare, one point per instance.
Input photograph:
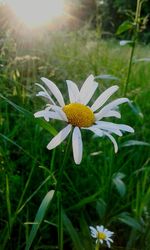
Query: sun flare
{"points": [[35, 13]]}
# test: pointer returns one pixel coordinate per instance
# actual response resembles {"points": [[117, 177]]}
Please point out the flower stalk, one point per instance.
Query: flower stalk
{"points": [[59, 198], [136, 30], [97, 246]]}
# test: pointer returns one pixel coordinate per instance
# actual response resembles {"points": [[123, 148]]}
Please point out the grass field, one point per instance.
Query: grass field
{"points": [[106, 188]]}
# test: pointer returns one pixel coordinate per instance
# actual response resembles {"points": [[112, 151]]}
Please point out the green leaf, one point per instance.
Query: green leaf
{"points": [[47, 126], [136, 109], [19, 209], [85, 201], [134, 143], [126, 25], [72, 231], [18, 108], [39, 217], [101, 208], [39, 121], [130, 221], [119, 184]]}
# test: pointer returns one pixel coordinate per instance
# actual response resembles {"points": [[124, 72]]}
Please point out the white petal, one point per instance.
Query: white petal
{"points": [[110, 233], [113, 141], [59, 137], [42, 113], [46, 93], [109, 126], [93, 232], [109, 239], [87, 90], [48, 114], [100, 228], [110, 106], [73, 92], [108, 244], [60, 112], [54, 90], [77, 145], [43, 94], [96, 130], [114, 127], [126, 128], [116, 102], [94, 235], [104, 97], [112, 113]]}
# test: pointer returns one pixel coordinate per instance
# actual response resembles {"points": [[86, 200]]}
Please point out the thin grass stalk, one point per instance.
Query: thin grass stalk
{"points": [[129, 68], [134, 40], [59, 197], [60, 222], [25, 188], [58, 186], [8, 206], [7, 231]]}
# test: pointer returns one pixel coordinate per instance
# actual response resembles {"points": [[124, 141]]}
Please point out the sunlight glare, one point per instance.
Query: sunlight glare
{"points": [[35, 13]]}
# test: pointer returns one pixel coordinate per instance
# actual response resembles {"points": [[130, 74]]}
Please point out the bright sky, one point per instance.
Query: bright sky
{"points": [[35, 13]]}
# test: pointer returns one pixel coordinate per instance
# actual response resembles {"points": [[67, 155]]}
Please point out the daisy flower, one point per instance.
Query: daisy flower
{"points": [[78, 115], [101, 234]]}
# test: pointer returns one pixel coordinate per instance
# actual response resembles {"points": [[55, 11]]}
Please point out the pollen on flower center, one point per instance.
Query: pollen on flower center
{"points": [[101, 236], [79, 115]]}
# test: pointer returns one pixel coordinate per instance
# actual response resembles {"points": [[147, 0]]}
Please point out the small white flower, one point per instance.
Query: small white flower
{"points": [[79, 115], [101, 234]]}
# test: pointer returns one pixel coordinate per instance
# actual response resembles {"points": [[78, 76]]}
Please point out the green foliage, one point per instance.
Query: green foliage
{"points": [[39, 217], [125, 26], [118, 182], [107, 188], [72, 232]]}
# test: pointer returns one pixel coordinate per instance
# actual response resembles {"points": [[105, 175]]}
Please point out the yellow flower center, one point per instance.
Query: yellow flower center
{"points": [[101, 236], [79, 115]]}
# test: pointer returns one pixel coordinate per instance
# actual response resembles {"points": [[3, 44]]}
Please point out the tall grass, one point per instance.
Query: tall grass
{"points": [[107, 188]]}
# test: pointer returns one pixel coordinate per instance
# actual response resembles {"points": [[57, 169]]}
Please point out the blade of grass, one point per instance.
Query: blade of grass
{"points": [[72, 232], [8, 205], [39, 217], [31, 196], [60, 222]]}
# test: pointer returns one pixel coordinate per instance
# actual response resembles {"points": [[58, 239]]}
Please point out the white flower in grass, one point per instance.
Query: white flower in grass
{"points": [[79, 115], [101, 234]]}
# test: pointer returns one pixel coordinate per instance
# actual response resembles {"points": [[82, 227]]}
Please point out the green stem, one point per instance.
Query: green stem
{"points": [[129, 69], [134, 39], [97, 246], [98, 21], [58, 186], [59, 197]]}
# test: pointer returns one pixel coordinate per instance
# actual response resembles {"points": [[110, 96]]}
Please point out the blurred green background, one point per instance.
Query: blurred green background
{"points": [[106, 188]]}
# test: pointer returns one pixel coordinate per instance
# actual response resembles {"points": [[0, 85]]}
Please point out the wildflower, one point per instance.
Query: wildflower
{"points": [[78, 115], [101, 234]]}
